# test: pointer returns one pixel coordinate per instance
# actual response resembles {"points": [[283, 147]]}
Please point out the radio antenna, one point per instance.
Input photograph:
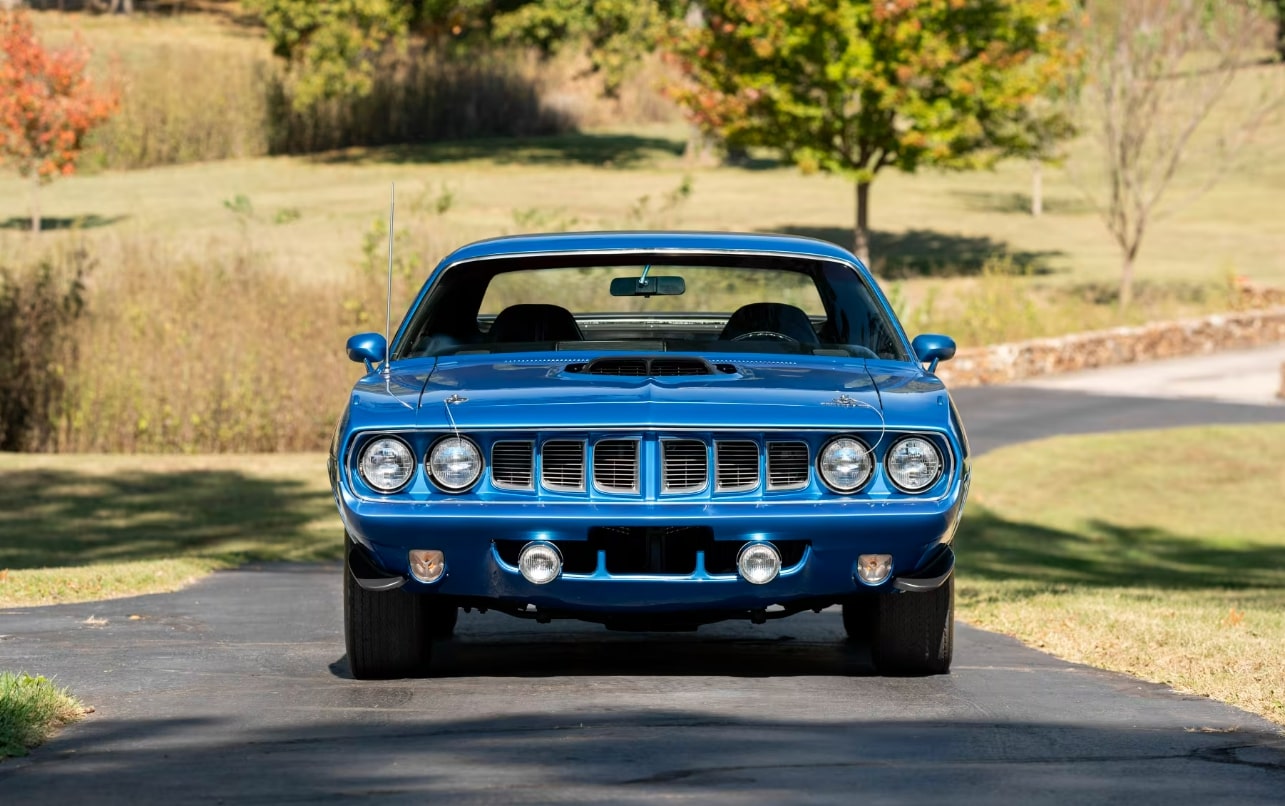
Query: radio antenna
{"points": [[388, 306]]}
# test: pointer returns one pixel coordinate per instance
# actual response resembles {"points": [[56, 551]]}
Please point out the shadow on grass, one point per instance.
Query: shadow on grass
{"points": [[1109, 555], [54, 518], [930, 253], [602, 150], [92, 221], [986, 201]]}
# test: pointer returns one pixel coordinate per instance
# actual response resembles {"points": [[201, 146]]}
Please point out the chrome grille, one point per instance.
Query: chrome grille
{"points": [[685, 465], [562, 465], [615, 465], [787, 465], [736, 466], [511, 465]]}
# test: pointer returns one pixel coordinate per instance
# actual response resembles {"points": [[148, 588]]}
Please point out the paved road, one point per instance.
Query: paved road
{"points": [[236, 689]]}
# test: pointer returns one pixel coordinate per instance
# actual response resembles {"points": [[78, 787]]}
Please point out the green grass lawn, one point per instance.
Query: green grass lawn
{"points": [[80, 528], [1160, 554], [31, 708], [927, 221]]}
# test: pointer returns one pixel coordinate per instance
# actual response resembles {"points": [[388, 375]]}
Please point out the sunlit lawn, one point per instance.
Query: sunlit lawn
{"points": [[1160, 554], [78, 528]]}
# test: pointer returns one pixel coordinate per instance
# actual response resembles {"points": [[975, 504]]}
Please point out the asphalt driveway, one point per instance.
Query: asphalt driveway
{"points": [[236, 689]]}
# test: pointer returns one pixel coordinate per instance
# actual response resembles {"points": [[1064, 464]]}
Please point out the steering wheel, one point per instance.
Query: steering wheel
{"points": [[768, 334]]}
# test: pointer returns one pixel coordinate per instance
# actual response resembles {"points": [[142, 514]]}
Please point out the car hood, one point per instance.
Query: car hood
{"points": [[792, 392]]}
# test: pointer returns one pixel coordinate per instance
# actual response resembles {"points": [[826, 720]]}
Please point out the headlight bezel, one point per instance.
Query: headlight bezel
{"points": [[866, 450], [370, 446], [892, 478], [438, 482]]}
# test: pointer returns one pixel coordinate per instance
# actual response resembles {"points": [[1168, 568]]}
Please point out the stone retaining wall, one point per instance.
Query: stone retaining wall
{"points": [[1002, 363]]}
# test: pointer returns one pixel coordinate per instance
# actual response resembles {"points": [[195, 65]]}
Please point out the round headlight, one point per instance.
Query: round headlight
{"points": [[845, 464], [454, 463], [913, 464], [387, 464]]}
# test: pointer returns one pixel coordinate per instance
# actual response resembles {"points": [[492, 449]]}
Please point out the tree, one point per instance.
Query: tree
{"points": [[1162, 78], [331, 47], [856, 86], [47, 105], [1280, 29], [615, 33]]}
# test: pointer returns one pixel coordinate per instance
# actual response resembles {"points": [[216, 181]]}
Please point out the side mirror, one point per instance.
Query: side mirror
{"points": [[367, 347], [933, 347]]}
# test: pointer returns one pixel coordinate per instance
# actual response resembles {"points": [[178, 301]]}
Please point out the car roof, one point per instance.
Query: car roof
{"points": [[650, 241]]}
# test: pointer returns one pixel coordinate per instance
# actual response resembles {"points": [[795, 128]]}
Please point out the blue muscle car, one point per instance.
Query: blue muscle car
{"points": [[652, 431]]}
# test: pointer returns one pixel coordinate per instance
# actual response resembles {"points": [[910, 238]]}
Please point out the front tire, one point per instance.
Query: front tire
{"points": [[914, 633], [388, 633]]}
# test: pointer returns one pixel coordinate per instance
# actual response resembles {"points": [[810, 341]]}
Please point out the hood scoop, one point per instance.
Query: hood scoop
{"points": [[648, 367]]}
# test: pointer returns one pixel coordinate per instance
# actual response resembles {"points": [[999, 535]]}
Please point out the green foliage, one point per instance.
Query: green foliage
{"points": [[30, 709], [39, 307], [332, 46], [855, 86], [616, 33]]}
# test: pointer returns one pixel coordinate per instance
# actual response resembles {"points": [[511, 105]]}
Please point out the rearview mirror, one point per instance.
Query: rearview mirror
{"points": [[648, 286]]}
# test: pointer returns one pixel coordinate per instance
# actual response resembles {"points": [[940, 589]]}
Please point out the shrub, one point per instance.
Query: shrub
{"points": [[39, 308]]}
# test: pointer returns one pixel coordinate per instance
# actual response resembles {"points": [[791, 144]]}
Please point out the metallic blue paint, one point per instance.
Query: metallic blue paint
{"points": [[529, 395], [933, 347], [368, 347]]}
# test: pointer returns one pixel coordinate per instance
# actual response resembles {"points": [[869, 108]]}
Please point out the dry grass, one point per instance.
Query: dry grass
{"points": [[1159, 554]]}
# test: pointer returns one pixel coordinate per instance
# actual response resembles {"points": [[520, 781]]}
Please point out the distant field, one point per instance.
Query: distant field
{"points": [[589, 182], [930, 222], [239, 272]]}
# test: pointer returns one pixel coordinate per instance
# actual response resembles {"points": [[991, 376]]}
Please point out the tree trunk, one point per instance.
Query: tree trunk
{"points": [[1037, 188], [1126, 279], [35, 204], [861, 232]]}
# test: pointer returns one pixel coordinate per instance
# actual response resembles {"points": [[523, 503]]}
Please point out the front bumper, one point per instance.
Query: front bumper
{"points": [[916, 533]]}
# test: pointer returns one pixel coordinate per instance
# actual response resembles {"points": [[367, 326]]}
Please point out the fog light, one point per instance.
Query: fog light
{"points": [[759, 563], [427, 565], [874, 569], [540, 563]]}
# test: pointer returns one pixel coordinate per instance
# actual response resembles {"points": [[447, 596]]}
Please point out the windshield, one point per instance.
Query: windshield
{"points": [[652, 303]]}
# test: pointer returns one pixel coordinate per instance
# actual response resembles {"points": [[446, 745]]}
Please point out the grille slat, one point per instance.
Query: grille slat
{"points": [[562, 465], [736, 466], [511, 465], [685, 465], [615, 465], [788, 465]]}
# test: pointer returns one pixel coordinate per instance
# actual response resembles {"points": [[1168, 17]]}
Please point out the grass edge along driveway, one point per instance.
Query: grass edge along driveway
{"points": [[1160, 554], [1157, 553]]}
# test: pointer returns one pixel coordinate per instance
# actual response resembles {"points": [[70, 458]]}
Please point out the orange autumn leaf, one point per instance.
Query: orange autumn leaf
{"points": [[47, 103]]}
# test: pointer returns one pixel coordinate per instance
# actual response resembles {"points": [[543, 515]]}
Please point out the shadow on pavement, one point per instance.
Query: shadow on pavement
{"points": [[631, 755]]}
